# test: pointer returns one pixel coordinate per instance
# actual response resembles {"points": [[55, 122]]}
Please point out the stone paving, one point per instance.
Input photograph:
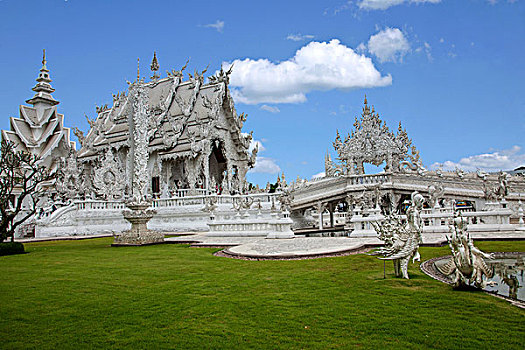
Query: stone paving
{"points": [[260, 247], [300, 246]]}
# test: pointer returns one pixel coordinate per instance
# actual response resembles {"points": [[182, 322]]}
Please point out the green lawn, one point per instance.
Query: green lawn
{"points": [[86, 294]]}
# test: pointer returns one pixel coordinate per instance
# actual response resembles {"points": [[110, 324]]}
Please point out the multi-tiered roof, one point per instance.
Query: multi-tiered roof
{"points": [[40, 129]]}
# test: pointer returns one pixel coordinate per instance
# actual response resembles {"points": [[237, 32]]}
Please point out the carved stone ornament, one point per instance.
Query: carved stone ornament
{"points": [[70, 182], [109, 179], [140, 144], [372, 142]]}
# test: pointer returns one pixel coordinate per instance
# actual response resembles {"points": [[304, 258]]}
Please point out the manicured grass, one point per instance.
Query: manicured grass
{"points": [[86, 294]]}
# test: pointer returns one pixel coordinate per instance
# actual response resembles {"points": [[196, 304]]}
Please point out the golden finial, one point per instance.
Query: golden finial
{"points": [[366, 102], [138, 69], [154, 66]]}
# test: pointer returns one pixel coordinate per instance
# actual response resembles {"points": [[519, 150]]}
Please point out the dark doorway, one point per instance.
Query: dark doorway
{"points": [[155, 185]]}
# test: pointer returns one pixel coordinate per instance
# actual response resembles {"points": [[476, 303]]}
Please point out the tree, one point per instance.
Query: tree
{"points": [[22, 181]]}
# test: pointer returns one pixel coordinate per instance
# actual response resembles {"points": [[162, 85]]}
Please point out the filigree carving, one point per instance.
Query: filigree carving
{"points": [[109, 178], [372, 142], [70, 182], [140, 144]]}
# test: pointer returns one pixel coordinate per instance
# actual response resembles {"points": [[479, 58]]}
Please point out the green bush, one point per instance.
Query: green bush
{"points": [[10, 248]]}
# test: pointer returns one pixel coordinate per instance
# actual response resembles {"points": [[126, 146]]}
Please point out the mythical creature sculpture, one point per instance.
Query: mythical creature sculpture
{"points": [[242, 203], [435, 191], [402, 240], [467, 264], [503, 187]]}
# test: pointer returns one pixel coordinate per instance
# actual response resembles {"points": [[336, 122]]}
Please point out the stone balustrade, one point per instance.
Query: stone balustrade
{"points": [[438, 221], [182, 199], [99, 205], [371, 179]]}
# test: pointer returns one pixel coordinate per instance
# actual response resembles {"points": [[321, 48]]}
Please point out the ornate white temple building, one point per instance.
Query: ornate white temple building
{"points": [[195, 139], [192, 157]]}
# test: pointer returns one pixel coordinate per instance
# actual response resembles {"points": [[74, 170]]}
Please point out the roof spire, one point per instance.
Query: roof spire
{"points": [[138, 69], [366, 109], [43, 87], [154, 66], [44, 61]]}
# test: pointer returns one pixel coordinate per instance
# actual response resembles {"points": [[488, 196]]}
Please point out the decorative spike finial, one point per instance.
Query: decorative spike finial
{"points": [[44, 61], [43, 87], [154, 66], [366, 102], [138, 69]]}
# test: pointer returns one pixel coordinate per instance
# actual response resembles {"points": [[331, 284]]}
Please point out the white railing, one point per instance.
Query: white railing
{"points": [[99, 205], [182, 199], [439, 221], [369, 179]]}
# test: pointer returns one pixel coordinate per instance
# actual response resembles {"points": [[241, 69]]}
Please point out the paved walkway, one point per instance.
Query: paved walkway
{"points": [[260, 247], [298, 247]]}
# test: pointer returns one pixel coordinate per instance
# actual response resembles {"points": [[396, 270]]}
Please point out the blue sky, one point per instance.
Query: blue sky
{"points": [[451, 71]]}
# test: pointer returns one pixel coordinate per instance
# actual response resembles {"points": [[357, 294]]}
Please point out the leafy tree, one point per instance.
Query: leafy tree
{"points": [[22, 181]]}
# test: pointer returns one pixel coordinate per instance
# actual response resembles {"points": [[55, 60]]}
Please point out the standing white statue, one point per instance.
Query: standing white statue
{"points": [[402, 240]]}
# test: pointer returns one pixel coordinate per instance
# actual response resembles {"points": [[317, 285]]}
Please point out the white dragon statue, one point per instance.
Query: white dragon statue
{"points": [[467, 265], [402, 240]]}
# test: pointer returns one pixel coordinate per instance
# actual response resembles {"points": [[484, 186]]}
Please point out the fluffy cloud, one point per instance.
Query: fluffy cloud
{"points": [[219, 26], [271, 109], [299, 37], [265, 165], [499, 160], [319, 175], [258, 143], [389, 45], [384, 4], [315, 66]]}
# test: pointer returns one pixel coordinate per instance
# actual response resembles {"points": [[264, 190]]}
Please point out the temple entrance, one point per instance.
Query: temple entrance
{"points": [[217, 164], [155, 185]]}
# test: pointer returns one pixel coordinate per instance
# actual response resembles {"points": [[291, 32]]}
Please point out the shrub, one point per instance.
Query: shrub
{"points": [[10, 248]]}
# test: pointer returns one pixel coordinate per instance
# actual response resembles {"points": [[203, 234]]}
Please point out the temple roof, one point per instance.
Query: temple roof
{"points": [[181, 113], [43, 88], [39, 129]]}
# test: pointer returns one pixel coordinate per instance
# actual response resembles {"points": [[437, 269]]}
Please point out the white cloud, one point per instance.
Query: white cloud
{"points": [[315, 66], [384, 4], [254, 143], [319, 175], [361, 48], [265, 165], [299, 37], [271, 109], [389, 45], [499, 160], [219, 26], [428, 50]]}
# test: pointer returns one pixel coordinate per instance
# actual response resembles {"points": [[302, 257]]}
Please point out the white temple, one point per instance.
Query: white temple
{"points": [[177, 148], [194, 133]]}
